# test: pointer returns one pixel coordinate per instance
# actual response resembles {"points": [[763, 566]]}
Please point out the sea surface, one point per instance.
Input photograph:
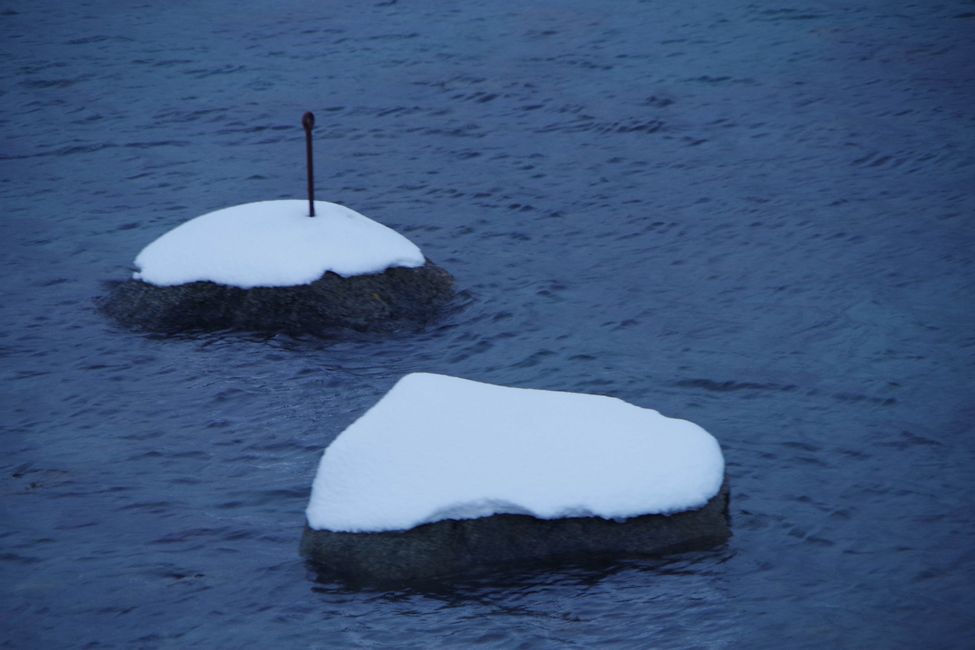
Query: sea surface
{"points": [[756, 215]]}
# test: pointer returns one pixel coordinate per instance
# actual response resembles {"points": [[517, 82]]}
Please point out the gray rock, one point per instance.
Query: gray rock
{"points": [[459, 546], [380, 301]]}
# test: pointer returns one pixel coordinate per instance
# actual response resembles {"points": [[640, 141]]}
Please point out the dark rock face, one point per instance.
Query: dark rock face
{"points": [[365, 302], [457, 546]]}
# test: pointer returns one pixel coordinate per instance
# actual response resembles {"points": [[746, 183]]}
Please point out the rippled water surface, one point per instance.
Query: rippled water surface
{"points": [[754, 215]]}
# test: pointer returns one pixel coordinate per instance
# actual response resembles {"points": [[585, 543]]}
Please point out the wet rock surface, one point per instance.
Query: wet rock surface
{"points": [[452, 547], [397, 296]]}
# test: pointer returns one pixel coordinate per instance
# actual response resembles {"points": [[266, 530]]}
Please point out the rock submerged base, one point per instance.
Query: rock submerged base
{"points": [[397, 296], [454, 547]]}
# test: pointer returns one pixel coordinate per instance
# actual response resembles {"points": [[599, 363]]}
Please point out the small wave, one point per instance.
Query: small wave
{"points": [[730, 386]]}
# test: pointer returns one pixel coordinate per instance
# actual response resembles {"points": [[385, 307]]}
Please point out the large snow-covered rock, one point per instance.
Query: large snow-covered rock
{"points": [[445, 474], [268, 266]]}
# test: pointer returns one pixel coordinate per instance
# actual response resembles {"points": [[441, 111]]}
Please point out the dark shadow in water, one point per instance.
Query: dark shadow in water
{"points": [[477, 585]]}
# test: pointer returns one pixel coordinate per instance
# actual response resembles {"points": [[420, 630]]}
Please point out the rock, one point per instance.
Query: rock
{"points": [[459, 546], [381, 301]]}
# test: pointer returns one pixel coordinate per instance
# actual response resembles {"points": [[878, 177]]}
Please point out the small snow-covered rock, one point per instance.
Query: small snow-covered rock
{"points": [[267, 266]]}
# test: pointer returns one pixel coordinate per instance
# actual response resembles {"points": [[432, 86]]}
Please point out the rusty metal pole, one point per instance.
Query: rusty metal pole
{"points": [[308, 121]]}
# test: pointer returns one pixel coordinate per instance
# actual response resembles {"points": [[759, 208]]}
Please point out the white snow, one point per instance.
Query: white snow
{"points": [[438, 447], [274, 244]]}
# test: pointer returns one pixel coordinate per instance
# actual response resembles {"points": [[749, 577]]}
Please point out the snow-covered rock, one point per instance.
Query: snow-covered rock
{"points": [[268, 266], [445, 473]]}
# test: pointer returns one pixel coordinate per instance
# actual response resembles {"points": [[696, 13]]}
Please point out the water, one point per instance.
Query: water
{"points": [[753, 215]]}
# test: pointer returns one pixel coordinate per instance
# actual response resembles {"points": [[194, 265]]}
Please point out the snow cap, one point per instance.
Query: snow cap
{"points": [[274, 244], [437, 447]]}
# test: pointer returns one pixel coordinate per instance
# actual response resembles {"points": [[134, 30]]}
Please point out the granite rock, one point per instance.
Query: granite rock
{"points": [[452, 547], [381, 301]]}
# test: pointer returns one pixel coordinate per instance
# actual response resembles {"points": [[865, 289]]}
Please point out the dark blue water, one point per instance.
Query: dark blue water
{"points": [[754, 215]]}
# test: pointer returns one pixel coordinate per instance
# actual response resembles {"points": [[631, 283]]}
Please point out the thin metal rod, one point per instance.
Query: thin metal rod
{"points": [[308, 121]]}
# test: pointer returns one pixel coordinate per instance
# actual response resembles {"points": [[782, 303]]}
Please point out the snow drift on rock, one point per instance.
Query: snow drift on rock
{"points": [[438, 447], [274, 244]]}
